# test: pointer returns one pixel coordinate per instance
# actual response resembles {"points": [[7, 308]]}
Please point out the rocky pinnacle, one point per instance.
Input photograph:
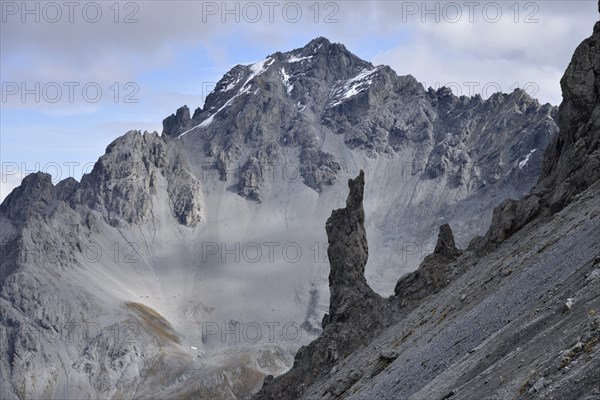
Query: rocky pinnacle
{"points": [[445, 244], [348, 253]]}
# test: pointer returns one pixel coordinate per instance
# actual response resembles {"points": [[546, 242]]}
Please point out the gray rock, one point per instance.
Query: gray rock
{"points": [[572, 162], [296, 99], [66, 188], [510, 216], [435, 272], [388, 355], [353, 303], [538, 385], [145, 183], [445, 245], [175, 124], [318, 168], [250, 177], [123, 181], [35, 196], [348, 253]]}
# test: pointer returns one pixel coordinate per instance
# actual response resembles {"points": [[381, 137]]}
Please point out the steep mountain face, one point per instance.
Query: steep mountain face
{"points": [[318, 114], [301, 98], [512, 316], [193, 263]]}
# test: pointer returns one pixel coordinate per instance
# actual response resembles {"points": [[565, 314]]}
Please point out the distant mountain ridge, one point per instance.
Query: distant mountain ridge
{"points": [[294, 99]]}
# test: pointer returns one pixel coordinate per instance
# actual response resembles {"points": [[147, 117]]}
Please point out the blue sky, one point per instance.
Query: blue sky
{"points": [[177, 50]]}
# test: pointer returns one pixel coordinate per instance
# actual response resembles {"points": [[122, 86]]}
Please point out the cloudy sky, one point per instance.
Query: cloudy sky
{"points": [[75, 75]]}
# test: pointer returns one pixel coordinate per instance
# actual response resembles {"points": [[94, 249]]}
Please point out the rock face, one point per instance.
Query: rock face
{"points": [[124, 181], [36, 195], [435, 272], [317, 114], [572, 161], [488, 322], [356, 313], [318, 169], [445, 246], [175, 124]]}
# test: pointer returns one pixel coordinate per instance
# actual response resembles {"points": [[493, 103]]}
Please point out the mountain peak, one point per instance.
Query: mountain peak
{"points": [[318, 41], [321, 45], [266, 106], [34, 196]]}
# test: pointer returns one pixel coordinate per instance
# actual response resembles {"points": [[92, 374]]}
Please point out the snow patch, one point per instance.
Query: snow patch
{"points": [[294, 59], [526, 160], [286, 81], [353, 86], [259, 67], [255, 70], [210, 119], [230, 86]]}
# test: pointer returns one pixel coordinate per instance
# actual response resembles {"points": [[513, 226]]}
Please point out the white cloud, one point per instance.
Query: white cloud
{"points": [[107, 52], [506, 53], [474, 75]]}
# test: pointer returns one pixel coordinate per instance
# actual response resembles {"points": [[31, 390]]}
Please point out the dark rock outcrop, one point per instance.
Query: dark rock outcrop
{"points": [[356, 312], [445, 246], [175, 124], [348, 253], [510, 216], [571, 162], [435, 272]]}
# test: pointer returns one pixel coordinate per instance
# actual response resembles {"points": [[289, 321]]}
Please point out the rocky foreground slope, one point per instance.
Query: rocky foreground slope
{"points": [[514, 315]]}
